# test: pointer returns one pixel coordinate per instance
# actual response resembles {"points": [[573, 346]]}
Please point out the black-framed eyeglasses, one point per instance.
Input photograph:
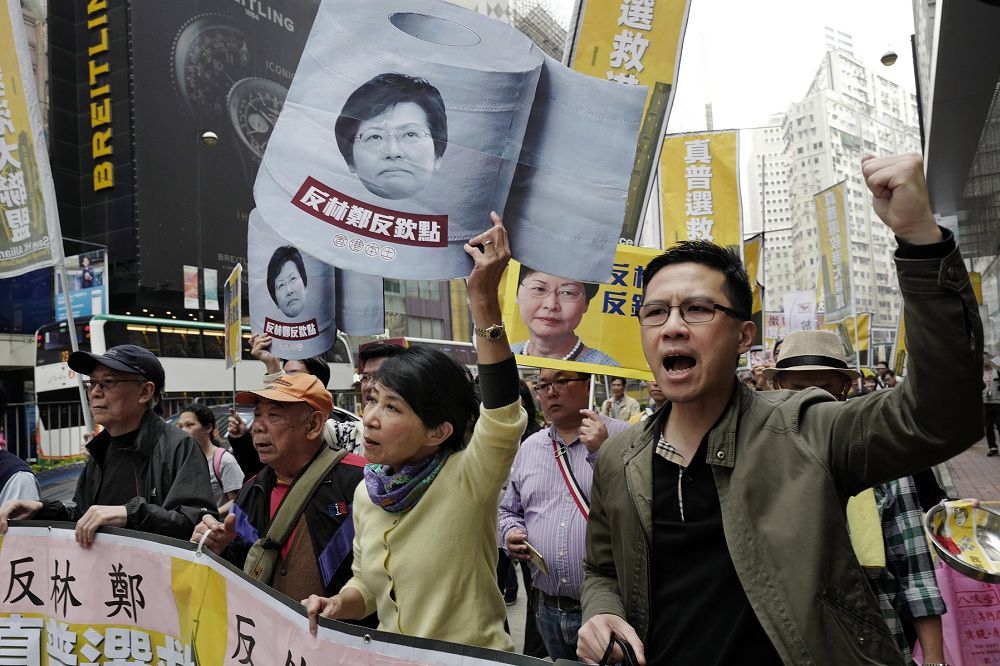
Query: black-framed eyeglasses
{"points": [[108, 384], [693, 311], [558, 384]]}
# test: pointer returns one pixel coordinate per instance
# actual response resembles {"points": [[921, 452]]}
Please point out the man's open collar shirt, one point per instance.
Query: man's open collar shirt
{"points": [[538, 500]]}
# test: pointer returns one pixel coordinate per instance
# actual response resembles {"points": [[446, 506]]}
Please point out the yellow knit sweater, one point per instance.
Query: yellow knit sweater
{"points": [[430, 571]]}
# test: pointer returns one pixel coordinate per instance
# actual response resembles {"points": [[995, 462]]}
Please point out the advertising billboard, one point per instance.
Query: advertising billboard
{"points": [[209, 81], [160, 113], [88, 286]]}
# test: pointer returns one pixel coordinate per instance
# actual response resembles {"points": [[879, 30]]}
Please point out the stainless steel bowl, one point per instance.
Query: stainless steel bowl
{"points": [[983, 525]]}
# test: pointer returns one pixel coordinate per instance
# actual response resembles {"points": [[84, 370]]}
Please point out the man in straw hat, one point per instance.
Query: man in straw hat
{"points": [[741, 494], [886, 521], [291, 527], [812, 358]]}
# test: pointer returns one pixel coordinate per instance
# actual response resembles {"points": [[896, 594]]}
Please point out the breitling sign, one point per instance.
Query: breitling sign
{"points": [[99, 68]]}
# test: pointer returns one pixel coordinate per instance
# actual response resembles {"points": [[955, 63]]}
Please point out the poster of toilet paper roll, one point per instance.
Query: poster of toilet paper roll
{"points": [[301, 301], [408, 122]]}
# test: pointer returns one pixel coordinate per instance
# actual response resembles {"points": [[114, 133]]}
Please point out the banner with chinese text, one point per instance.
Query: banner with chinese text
{"points": [[28, 216], [835, 252], [501, 130], [630, 42], [636, 43], [774, 329], [699, 175], [800, 311], [136, 598], [232, 297], [554, 322]]}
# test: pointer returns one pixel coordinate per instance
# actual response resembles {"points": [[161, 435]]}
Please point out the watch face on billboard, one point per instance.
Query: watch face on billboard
{"points": [[254, 104], [208, 88]]}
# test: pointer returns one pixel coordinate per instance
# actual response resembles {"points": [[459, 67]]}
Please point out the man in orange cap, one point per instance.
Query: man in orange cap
{"points": [[312, 554]]}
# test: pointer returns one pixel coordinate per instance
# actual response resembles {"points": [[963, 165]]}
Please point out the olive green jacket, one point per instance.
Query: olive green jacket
{"points": [[784, 465]]}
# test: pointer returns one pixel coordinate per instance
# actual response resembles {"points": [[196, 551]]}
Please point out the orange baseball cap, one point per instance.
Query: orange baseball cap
{"points": [[297, 387]]}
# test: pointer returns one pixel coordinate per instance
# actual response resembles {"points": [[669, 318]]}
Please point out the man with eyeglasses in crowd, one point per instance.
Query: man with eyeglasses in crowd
{"points": [[743, 501], [142, 473], [620, 406], [547, 499]]}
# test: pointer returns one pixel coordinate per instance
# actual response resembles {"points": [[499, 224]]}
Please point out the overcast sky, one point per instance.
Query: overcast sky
{"points": [[753, 58]]}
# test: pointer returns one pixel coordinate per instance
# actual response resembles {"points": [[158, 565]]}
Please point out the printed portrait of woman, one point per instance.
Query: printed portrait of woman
{"points": [[552, 308], [287, 281], [392, 132]]}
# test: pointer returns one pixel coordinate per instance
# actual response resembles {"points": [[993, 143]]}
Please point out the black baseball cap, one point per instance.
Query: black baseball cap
{"points": [[123, 358]]}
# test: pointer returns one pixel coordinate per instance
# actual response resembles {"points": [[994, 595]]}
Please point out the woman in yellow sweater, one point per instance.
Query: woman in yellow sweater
{"points": [[425, 519]]}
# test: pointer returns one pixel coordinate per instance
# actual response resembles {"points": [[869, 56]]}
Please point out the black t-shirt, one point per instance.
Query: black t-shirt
{"points": [[699, 611], [123, 471]]}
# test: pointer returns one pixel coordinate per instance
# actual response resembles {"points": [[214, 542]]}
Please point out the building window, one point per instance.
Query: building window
{"points": [[423, 327]]}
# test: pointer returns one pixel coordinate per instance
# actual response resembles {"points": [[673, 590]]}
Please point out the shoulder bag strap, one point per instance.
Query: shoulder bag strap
{"points": [[217, 464], [562, 462], [264, 553]]}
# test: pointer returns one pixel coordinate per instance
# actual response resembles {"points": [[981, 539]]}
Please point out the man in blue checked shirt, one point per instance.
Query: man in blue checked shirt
{"points": [[547, 501]]}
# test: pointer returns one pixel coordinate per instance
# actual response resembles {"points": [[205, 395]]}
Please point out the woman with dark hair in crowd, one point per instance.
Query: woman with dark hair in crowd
{"points": [[428, 497], [223, 470]]}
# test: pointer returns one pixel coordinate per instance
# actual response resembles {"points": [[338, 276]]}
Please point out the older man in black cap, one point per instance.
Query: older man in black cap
{"points": [[142, 473]]}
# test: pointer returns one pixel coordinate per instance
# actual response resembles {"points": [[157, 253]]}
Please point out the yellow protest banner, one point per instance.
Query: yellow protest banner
{"points": [[753, 259], [835, 250], [554, 322], [29, 224], [634, 42], [699, 176], [856, 334], [233, 312], [977, 285], [898, 360], [630, 42]]}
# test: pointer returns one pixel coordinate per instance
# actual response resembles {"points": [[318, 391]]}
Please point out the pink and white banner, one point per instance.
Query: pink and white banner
{"points": [[132, 598]]}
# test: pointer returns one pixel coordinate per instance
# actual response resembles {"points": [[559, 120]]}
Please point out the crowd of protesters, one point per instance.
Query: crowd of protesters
{"points": [[659, 538]]}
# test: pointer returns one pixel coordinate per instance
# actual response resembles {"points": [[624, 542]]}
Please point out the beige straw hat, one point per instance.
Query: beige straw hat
{"points": [[811, 350]]}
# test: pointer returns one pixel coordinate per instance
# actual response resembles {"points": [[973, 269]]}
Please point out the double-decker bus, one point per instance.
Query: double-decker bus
{"points": [[193, 358]]}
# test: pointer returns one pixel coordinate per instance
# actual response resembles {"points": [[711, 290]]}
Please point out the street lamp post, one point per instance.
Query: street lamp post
{"points": [[209, 139], [889, 59]]}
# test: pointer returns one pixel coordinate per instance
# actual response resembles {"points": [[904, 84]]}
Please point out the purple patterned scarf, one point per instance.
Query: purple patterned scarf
{"points": [[398, 491]]}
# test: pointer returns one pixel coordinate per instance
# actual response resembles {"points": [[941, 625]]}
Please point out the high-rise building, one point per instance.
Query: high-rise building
{"points": [[848, 112], [769, 208], [534, 18]]}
